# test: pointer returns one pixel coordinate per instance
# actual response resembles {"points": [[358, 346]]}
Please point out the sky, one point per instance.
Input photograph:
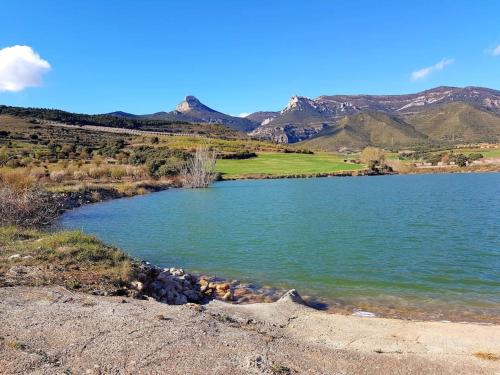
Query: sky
{"points": [[98, 56]]}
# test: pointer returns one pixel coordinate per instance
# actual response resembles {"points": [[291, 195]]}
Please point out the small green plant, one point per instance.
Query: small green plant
{"points": [[16, 345], [73, 284], [225, 318], [279, 369]]}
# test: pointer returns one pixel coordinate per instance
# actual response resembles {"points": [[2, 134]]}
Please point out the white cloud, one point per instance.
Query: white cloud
{"points": [[21, 67], [244, 114], [422, 73], [496, 51]]}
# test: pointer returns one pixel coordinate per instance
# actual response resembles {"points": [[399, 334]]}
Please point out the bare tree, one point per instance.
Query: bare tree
{"points": [[372, 154], [199, 171], [374, 157]]}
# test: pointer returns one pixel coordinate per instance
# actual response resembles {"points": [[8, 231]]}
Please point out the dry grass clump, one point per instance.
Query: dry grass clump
{"points": [[24, 204], [58, 176], [17, 179], [487, 356]]}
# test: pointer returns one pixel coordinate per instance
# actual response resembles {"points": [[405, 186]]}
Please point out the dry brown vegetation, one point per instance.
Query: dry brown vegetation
{"points": [[199, 171], [487, 356]]}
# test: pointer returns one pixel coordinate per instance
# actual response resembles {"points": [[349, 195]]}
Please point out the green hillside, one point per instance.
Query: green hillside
{"points": [[366, 128], [458, 122]]}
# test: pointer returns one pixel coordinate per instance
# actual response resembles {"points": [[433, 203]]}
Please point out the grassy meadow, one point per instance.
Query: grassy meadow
{"points": [[487, 153], [285, 164]]}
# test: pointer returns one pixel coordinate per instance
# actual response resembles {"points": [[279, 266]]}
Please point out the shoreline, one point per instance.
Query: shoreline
{"points": [[363, 173], [252, 292], [245, 293], [126, 335]]}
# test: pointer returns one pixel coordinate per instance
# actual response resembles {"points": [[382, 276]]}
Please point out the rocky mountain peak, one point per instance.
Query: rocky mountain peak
{"points": [[298, 103], [189, 103]]}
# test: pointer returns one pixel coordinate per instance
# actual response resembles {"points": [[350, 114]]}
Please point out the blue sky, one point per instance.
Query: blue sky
{"points": [[243, 56]]}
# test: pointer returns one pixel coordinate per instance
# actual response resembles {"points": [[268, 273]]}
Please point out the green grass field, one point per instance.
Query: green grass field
{"points": [[487, 153], [281, 164]]}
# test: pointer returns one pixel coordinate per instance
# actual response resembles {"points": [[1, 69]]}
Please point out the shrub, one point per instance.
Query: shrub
{"points": [[239, 155], [99, 172], [136, 172], [461, 160], [118, 172], [38, 173], [57, 176], [16, 179], [13, 163], [164, 167], [79, 175], [475, 156], [4, 156], [26, 207]]}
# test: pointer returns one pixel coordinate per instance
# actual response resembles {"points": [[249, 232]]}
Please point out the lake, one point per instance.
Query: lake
{"points": [[410, 245]]}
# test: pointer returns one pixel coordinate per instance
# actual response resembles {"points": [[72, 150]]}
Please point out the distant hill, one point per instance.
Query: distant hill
{"points": [[457, 122], [262, 117], [191, 110], [439, 114], [366, 128], [120, 120], [122, 114]]}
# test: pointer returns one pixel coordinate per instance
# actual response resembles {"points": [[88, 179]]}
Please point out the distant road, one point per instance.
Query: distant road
{"points": [[108, 129]]}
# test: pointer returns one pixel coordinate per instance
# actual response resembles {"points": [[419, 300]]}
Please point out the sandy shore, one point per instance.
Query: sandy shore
{"points": [[50, 330]]}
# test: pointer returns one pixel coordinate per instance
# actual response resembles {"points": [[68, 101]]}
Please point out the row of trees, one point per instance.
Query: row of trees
{"points": [[445, 157]]}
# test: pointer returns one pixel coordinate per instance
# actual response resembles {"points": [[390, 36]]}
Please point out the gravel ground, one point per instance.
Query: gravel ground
{"points": [[51, 330]]}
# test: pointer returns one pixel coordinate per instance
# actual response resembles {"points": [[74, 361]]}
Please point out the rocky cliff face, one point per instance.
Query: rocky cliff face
{"points": [[484, 98], [286, 133], [304, 118], [191, 104]]}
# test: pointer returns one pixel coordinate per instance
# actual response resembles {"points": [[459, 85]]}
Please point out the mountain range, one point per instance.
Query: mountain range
{"points": [[192, 110], [330, 122]]}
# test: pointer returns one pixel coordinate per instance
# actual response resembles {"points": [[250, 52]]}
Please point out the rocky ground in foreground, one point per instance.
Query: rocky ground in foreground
{"points": [[52, 330]]}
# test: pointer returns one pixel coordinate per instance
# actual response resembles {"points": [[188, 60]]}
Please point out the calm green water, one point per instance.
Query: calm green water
{"points": [[424, 242]]}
